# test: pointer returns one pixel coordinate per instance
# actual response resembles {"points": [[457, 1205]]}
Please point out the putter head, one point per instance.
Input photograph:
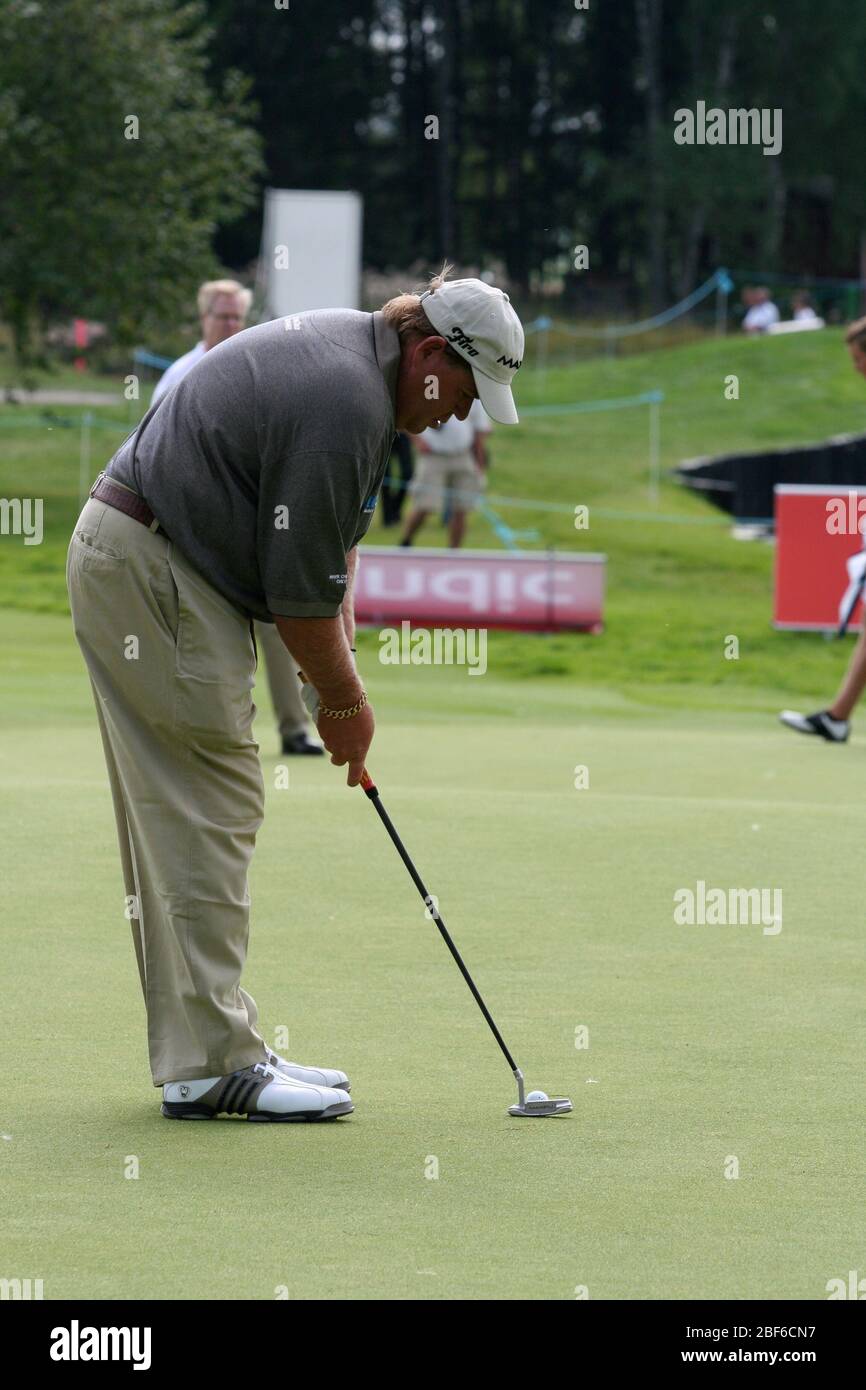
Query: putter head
{"points": [[537, 1109], [541, 1109]]}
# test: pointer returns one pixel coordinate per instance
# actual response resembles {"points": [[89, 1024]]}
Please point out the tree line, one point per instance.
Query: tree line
{"points": [[490, 132]]}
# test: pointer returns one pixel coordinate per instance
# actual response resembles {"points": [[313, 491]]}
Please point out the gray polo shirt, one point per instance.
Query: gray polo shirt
{"points": [[264, 462]]}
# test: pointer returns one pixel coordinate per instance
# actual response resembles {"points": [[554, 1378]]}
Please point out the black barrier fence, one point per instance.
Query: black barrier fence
{"points": [[742, 484]]}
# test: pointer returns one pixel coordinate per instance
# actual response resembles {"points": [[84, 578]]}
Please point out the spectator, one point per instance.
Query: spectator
{"points": [[761, 313], [451, 468], [223, 306], [801, 305]]}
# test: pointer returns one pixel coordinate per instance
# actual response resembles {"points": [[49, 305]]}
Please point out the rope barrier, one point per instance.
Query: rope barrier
{"points": [[720, 281]]}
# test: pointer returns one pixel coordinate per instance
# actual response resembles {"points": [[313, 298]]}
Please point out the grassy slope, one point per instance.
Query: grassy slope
{"points": [[676, 588]]}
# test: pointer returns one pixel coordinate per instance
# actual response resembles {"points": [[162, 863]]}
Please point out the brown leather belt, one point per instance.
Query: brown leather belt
{"points": [[116, 495]]}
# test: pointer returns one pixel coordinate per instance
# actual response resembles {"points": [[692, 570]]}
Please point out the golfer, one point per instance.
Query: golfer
{"points": [[833, 724], [242, 497]]}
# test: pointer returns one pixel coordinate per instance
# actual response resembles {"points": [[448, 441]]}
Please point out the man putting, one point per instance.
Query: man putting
{"points": [[242, 496]]}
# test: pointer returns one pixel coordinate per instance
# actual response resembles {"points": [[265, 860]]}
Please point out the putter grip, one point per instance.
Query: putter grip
{"points": [[368, 784]]}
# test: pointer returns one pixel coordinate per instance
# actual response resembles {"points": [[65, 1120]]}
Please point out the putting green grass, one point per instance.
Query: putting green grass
{"points": [[707, 1043]]}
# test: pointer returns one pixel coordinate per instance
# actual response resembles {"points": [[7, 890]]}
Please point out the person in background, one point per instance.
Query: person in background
{"points": [[834, 723], [761, 311], [223, 306], [801, 307], [396, 484], [450, 471]]}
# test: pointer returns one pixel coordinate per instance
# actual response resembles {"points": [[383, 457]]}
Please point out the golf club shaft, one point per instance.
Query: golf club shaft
{"points": [[373, 793]]}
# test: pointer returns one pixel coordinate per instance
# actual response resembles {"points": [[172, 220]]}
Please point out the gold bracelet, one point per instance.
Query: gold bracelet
{"points": [[344, 713]]}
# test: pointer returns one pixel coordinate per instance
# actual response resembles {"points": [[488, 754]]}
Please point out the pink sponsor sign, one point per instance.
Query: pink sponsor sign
{"points": [[539, 590]]}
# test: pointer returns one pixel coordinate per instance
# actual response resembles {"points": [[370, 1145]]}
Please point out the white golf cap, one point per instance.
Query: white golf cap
{"points": [[478, 322]]}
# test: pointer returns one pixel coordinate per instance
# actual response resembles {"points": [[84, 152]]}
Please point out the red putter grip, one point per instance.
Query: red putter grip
{"points": [[367, 783]]}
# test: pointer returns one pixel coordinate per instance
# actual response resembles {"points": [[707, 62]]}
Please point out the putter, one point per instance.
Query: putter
{"points": [[531, 1109]]}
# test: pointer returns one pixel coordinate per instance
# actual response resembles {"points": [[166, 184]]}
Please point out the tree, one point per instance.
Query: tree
{"points": [[118, 162], [649, 16]]}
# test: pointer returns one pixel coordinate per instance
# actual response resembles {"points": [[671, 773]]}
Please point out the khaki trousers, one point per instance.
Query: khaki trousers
{"points": [[282, 673], [172, 664], [454, 479]]}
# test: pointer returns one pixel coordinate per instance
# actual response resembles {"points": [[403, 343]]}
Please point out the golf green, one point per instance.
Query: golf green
{"points": [[715, 1149]]}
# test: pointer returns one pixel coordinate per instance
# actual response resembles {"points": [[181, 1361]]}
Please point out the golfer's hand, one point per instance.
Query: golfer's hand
{"points": [[347, 740]]}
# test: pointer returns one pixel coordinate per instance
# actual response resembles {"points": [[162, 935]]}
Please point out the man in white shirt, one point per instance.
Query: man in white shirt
{"points": [[223, 306], [762, 312], [451, 464], [802, 307]]}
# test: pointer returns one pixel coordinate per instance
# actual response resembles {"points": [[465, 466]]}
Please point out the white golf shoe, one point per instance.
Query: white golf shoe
{"points": [[823, 724], [313, 1076], [260, 1092]]}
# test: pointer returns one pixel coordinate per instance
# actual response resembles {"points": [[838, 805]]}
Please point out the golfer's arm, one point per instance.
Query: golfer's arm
{"points": [[347, 612], [320, 648]]}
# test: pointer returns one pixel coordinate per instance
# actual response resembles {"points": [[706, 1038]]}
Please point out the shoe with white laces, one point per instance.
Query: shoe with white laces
{"points": [[822, 724], [313, 1076], [260, 1092]]}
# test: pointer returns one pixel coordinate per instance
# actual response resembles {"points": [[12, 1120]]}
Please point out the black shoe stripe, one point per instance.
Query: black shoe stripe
{"points": [[233, 1088], [219, 1101], [243, 1100], [219, 1098]]}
